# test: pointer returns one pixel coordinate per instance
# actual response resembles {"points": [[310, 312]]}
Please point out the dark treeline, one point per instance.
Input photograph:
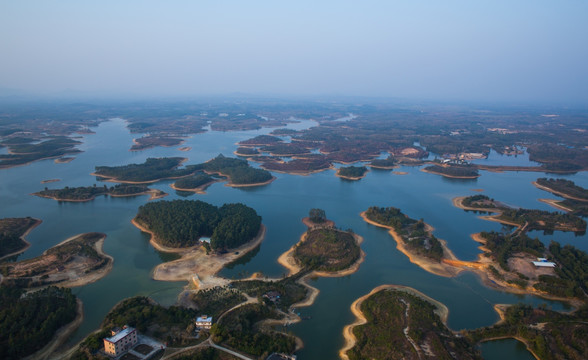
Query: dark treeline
{"points": [[238, 170], [454, 170], [11, 230], [353, 171], [564, 186], [180, 223], [384, 163], [412, 231], [28, 322], [151, 169], [193, 182]]}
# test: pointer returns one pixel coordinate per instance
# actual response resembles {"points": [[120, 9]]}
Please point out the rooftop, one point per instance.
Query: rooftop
{"points": [[120, 335], [204, 318]]}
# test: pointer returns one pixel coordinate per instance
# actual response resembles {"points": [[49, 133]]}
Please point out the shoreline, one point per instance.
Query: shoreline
{"points": [[96, 274], [556, 192], [154, 194], [441, 268], [23, 238], [49, 181], [360, 319], [198, 190], [194, 265], [352, 178], [400, 172], [555, 204], [472, 177], [231, 184]]}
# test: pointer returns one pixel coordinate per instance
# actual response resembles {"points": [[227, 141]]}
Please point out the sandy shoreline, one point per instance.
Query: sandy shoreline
{"points": [[437, 268], [198, 190], [23, 238], [154, 194], [352, 178], [555, 204], [360, 318], [50, 181], [94, 275], [195, 265], [558, 193], [450, 176]]}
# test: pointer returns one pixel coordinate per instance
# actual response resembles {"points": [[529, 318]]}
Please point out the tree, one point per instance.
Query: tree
{"points": [[317, 215]]}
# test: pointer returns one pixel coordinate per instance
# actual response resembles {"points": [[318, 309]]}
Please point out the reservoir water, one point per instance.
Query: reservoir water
{"points": [[282, 204]]}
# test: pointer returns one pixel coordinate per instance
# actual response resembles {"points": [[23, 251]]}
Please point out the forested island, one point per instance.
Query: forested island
{"points": [[415, 235], [12, 235], [196, 183], [88, 193], [181, 223], [24, 151], [327, 249], [152, 170], [385, 164], [29, 320], [239, 172], [147, 142], [76, 261], [402, 323], [352, 172], [453, 171]]}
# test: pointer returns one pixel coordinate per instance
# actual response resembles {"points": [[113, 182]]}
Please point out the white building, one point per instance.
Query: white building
{"points": [[204, 322], [120, 341], [542, 262]]}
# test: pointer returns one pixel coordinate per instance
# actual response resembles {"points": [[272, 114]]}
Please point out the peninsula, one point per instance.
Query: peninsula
{"points": [[152, 170], [76, 261], [238, 171], [402, 323], [196, 183], [13, 232], [453, 171], [88, 193]]}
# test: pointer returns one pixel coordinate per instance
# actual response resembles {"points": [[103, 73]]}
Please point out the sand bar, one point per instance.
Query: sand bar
{"points": [[198, 190]]}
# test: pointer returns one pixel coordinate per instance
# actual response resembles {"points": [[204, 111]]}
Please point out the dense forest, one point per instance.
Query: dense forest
{"points": [[152, 169], [572, 270], [327, 249], [352, 171], [387, 163], [413, 232], [239, 330], [28, 322], [11, 230], [567, 187], [238, 170], [181, 223], [461, 171], [394, 318], [192, 182]]}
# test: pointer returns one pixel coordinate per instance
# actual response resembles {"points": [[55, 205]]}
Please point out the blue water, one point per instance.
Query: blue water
{"points": [[282, 204]]}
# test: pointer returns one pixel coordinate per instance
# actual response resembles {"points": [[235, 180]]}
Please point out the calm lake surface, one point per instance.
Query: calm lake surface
{"points": [[282, 204]]}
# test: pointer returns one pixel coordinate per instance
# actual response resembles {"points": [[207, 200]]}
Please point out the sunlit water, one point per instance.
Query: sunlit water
{"points": [[282, 204]]}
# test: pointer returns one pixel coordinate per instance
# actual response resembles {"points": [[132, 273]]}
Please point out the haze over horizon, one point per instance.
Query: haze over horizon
{"points": [[454, 50]]}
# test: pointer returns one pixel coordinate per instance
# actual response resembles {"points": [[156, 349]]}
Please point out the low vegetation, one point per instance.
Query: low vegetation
{"points": [[240, 330], [397, 322], [181, 223], [215, 301]]}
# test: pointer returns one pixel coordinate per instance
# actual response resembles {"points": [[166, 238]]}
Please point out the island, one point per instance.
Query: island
{"points": [[402, 323], [196, 183], [147, 142], [34, 323], [414, 238], [88, 193], [152, 170], [13, 232], [239, 172], [352, 172], [453, 171], [64, 160], [76, 261], [384, 164], [575, 197], [25, 151]]}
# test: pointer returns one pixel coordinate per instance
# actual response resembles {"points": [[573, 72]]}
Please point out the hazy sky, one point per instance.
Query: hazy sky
{"points": [[472, 50]]}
